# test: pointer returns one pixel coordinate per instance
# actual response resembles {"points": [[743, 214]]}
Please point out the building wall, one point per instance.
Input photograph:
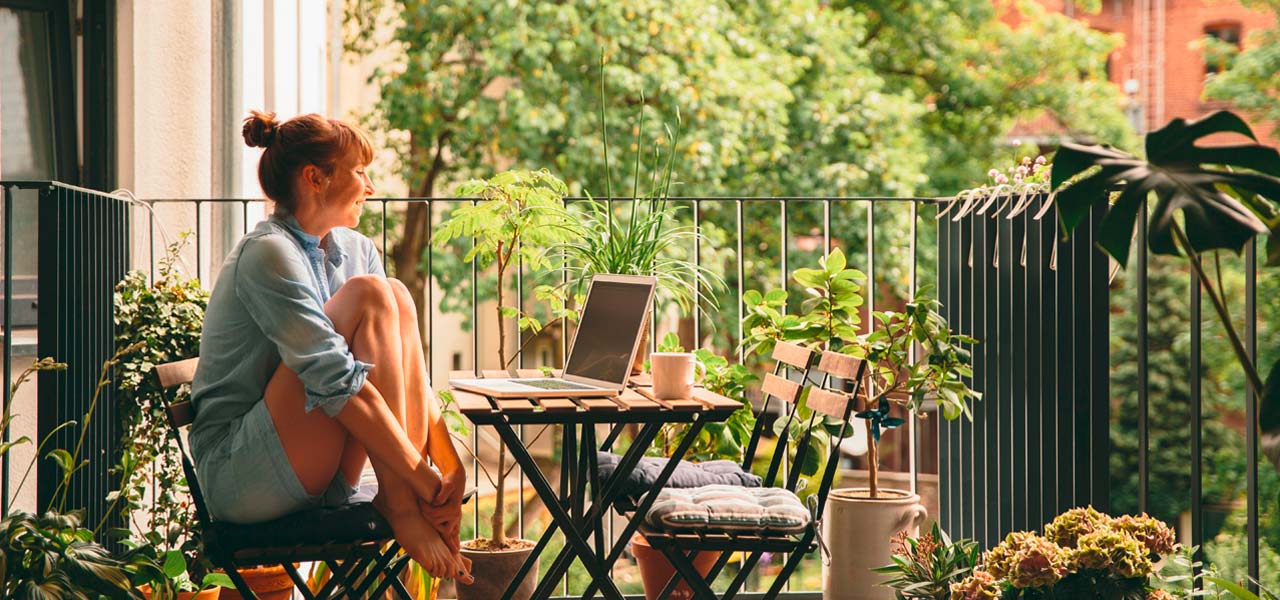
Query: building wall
{"points": [[1161, 62]]}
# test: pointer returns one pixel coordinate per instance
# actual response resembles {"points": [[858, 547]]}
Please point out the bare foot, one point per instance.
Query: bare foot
{"points": [[420, 541], [458, 566]]}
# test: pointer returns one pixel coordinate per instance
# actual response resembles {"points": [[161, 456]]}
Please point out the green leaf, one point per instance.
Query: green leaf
{"points": [[218, 580], [174, 564], [810, 278], [63, 459], [835, 262], [1233, 588], [509, 312]]}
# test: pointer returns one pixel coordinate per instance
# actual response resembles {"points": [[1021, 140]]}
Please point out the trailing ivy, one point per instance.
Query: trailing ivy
{"points": [[166, 316]]}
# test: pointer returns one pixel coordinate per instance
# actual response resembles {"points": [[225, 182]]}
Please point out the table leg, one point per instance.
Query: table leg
{"points": [[613, 488], [694, 429], [573, 537]]}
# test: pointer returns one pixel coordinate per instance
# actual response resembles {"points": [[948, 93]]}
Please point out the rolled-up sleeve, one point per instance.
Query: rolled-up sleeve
{"points": [[273, 283]]}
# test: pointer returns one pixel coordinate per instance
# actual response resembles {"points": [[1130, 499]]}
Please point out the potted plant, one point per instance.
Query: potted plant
{"points": [[161, 321], [925, 567], [829, 317], [650, 241], [512, 222], [1227, 196], [1082, 554], [54, 554]]}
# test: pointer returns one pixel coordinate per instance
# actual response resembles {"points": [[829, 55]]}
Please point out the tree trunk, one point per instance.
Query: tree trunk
{"points": [[873, 462]]}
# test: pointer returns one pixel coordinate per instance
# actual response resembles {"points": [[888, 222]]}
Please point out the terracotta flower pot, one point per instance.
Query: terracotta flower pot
{"points": [[857, 529], [656, 570], [493, 571], [268, 583]]}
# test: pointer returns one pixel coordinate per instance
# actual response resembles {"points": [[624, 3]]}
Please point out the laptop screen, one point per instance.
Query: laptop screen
{"points": [[608, 330]]}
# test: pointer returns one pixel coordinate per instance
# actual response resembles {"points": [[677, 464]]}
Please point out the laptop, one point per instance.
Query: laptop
{"points": [[599, 361]]}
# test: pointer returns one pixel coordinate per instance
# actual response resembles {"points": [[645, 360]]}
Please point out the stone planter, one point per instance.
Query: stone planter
{"points": [[493, 571], [857, 529]]}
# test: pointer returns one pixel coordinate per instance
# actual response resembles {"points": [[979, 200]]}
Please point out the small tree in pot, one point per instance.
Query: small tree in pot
{"points": [[512, 224]]}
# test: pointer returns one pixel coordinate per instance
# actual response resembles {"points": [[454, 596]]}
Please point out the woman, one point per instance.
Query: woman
{"points": [[311, 363]]}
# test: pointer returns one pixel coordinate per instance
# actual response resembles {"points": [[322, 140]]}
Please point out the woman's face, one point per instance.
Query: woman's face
{"points": [[348, 187]]}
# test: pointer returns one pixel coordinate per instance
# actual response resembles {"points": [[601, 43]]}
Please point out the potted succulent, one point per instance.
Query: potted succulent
{"points": [[512, 222]]}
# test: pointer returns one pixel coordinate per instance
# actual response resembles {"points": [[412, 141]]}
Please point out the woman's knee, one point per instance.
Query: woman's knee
{"points": [[364, 294], [404, 300]]}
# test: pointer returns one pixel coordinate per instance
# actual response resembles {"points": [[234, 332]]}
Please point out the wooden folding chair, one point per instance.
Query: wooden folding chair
{"points": [[682, 546], [353, 540]]}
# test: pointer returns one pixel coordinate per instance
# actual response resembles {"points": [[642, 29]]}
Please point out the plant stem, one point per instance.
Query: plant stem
{"points": [[1215, 297], [873, 460]]}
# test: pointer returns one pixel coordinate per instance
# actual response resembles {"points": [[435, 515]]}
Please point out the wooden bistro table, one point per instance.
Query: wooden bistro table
{"points": [[570, 511]]}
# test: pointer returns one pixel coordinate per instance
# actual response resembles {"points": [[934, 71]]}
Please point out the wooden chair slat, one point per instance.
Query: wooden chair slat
{"points": [[839, 365], [784, 389], [177, 373], [828, 403], [792, 354], [181, 414], [557, 404], [713, 400], [632, 400], [598, 404], [516, 405], [471, 403]]}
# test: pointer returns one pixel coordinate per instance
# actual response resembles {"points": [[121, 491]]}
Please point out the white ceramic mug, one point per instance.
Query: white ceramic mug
{"points": [[672, 374]]}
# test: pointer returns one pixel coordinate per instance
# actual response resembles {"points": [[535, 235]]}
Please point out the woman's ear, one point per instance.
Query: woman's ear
{"points": [[314, 177]]}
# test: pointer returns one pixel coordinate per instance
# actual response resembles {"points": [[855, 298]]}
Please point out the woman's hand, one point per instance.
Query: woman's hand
{"points": [[445, 512]]}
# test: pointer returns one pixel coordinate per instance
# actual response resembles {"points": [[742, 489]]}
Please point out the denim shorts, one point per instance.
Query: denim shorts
{"points": [[247, 478]]}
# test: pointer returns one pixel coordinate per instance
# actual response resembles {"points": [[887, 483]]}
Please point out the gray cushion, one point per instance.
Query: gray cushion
{"points": [[728, 507], [686, 475]]}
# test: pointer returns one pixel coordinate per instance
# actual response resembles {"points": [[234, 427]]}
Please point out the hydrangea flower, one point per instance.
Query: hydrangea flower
{"points": [[999, 560], [980, 585], [1114, 551], [1153, 533], [1070, 525], [1037, 563]]}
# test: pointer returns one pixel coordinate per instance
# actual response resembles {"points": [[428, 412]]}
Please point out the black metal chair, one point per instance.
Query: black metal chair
{"points": [[681, 547], [354, 541]]}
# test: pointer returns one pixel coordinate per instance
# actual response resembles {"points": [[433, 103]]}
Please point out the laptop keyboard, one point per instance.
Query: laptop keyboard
{"points": [[555, 384]]}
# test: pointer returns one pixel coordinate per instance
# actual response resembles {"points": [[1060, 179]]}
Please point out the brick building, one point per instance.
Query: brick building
{"points": [[1162, 65]]}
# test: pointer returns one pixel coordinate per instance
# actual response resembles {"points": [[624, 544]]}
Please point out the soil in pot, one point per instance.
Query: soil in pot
{"points": [[656, 570], [494, 569], [268, 583]]}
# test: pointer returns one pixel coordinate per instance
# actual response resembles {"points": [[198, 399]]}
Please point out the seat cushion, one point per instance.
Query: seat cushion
{"points": [[350, 523], [686, 475], [728, 508]]}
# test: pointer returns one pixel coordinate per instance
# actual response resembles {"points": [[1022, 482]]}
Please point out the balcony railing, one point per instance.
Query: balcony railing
{"points": [[757, 242]]}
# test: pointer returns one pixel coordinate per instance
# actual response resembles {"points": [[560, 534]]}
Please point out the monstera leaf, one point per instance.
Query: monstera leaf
{"points": [[1225, 193]]}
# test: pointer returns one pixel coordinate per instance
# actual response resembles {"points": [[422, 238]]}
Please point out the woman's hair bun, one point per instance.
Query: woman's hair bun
{"points": [[260, 129]]}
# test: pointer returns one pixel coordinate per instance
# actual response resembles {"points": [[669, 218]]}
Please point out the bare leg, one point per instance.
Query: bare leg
{"points": [[364, 311]]}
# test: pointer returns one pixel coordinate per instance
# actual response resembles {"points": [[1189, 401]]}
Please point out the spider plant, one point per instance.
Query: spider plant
{"points": [[650, 240]]}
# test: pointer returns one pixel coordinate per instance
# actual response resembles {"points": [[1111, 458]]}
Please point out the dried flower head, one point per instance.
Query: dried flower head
{"points": [[981, 585], [1153, 533], [1114, 551], [1070, 525], [1160, 595]]}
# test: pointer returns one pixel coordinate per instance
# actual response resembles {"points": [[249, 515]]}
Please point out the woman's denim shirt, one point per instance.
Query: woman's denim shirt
{"points": [[267, 307]]}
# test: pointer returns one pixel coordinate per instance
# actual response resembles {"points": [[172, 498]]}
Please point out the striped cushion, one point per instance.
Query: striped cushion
{"points": [[728, 507]]}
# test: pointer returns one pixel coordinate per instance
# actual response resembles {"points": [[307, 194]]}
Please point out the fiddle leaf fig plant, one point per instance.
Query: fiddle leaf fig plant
{"points": [[1207, 198]]}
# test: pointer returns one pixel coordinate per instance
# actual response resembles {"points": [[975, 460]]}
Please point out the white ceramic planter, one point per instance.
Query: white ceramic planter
{"points": [[857, 531]]}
